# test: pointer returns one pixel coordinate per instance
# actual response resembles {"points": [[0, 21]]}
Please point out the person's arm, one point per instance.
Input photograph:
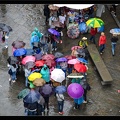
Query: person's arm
{"points": [[99, 41]]}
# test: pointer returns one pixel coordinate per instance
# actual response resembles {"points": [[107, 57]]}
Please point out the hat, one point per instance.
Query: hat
{"points": [[84, 38]]}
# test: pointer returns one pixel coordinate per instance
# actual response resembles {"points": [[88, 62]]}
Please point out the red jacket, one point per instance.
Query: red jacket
{"points": [[102, 40], [93, 31]]}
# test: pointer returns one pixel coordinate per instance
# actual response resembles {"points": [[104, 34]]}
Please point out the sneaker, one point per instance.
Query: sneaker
{"points": [[60, 113], [13, 81], [84, 101], [55, 49], [101, 53], [6, 46], [9, 79]]}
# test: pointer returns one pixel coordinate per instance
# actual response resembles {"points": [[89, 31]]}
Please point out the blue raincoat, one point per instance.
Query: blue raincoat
{"points": [[33, 39], [45, 72], [79, 100]]}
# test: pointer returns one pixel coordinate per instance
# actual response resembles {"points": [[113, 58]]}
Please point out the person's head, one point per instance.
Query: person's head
{"points": [[84, 38], [102, 33], [114, 34]]}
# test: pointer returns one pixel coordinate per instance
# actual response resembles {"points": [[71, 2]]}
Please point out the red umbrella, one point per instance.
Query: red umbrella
{"points": [[28, 59], [50, 63], [69, 57], [39, 63], [48, 57], [80, 67]]}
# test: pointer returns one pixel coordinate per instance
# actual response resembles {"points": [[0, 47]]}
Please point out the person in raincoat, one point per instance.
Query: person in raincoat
{"points": [[45, 72], [83, 43]]}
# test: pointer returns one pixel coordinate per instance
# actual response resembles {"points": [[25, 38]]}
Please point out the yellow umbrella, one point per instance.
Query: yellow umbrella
{"points": [[34, 75], [95, 22]]}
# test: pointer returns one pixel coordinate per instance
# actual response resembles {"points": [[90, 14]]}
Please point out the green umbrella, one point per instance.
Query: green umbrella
{"points": [[23, 93]]}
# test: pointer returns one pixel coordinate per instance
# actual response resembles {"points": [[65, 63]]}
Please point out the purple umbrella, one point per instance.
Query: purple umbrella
{"points": [[63, 59], [54, 32], [75, 90]]}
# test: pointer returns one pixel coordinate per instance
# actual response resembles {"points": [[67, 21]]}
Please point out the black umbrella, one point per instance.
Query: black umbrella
{"points": [[12, 60], [29, 65], [58, 55], [6, 28]]}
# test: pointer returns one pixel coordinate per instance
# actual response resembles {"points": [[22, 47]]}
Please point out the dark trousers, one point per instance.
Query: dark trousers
{"points": [[85, 95], [60, 106], [46, 102], [77, 106], [92, 38], [102, 47]]}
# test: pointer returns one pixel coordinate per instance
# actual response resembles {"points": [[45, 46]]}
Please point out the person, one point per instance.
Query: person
{"points": [[102, 42], [86, 88], [83, 43], [13, 68], [51, 20], [62, 19], [63, 66], [93, 32], [113, 9], [91, 12], [78, 102], [60, 100], [74, 52], [114, 40], [27, 73]]}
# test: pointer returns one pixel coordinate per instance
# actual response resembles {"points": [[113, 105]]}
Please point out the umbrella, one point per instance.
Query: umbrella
{"points": [[2, 25], [73, 61], [18, 44], [82, 60], [29, 65], [19, 52], [46, 90], [32, 97], [28, 59], [34, 75], [75, 47], [39, 63], [75, 90], [5, 28], [48, 57], [29, 52], [60, 89], [39, 82], [75, 75], [95, 22], [58, 75], [115, 31], [74, 6], [54, 32], [38, 56], [58, 54], [12, 60], [50, 63], [69, 57], [23, 93], [63, 59], [80, 67], [73, 32]]}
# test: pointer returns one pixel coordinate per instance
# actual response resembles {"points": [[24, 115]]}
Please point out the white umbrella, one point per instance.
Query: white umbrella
{"points": [[58, 75], [74, 6]]}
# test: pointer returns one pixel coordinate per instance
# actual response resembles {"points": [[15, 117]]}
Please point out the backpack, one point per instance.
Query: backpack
{"points": [[10, 72]]}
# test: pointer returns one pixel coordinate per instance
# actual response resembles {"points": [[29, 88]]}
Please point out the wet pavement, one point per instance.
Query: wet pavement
{"points": [[103, 100]]}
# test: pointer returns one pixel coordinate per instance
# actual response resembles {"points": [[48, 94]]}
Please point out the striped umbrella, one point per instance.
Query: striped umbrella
{"points": [[95, 22]]}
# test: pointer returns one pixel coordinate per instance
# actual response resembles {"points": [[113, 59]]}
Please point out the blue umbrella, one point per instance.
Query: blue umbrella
{"points": [[54, 32], [60, 89], [62, 59], [20, 52], [82, 60], [30, 52], [115, 31], [32, 97]]}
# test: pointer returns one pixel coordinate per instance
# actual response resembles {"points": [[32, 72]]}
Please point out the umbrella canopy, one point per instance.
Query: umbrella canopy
{"points": [[29, 52], [48, 57], [75, 90], [80, 67], [95, 22], [75, 75], [58, 75], [19, 52], [18, 44], [73, 61], [33, 76], [115, 31], [50, 63], [12, 60], [74, 6], [39, 82], [28, 59], [60, 89], [29, 65], [5, 28], [46, 90], [39, 63], [32, 97], [82, 60], [69, 57], [54, 32], [38, 56], [62, 59], [75, 47], [58, 54], [23, 93]]}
